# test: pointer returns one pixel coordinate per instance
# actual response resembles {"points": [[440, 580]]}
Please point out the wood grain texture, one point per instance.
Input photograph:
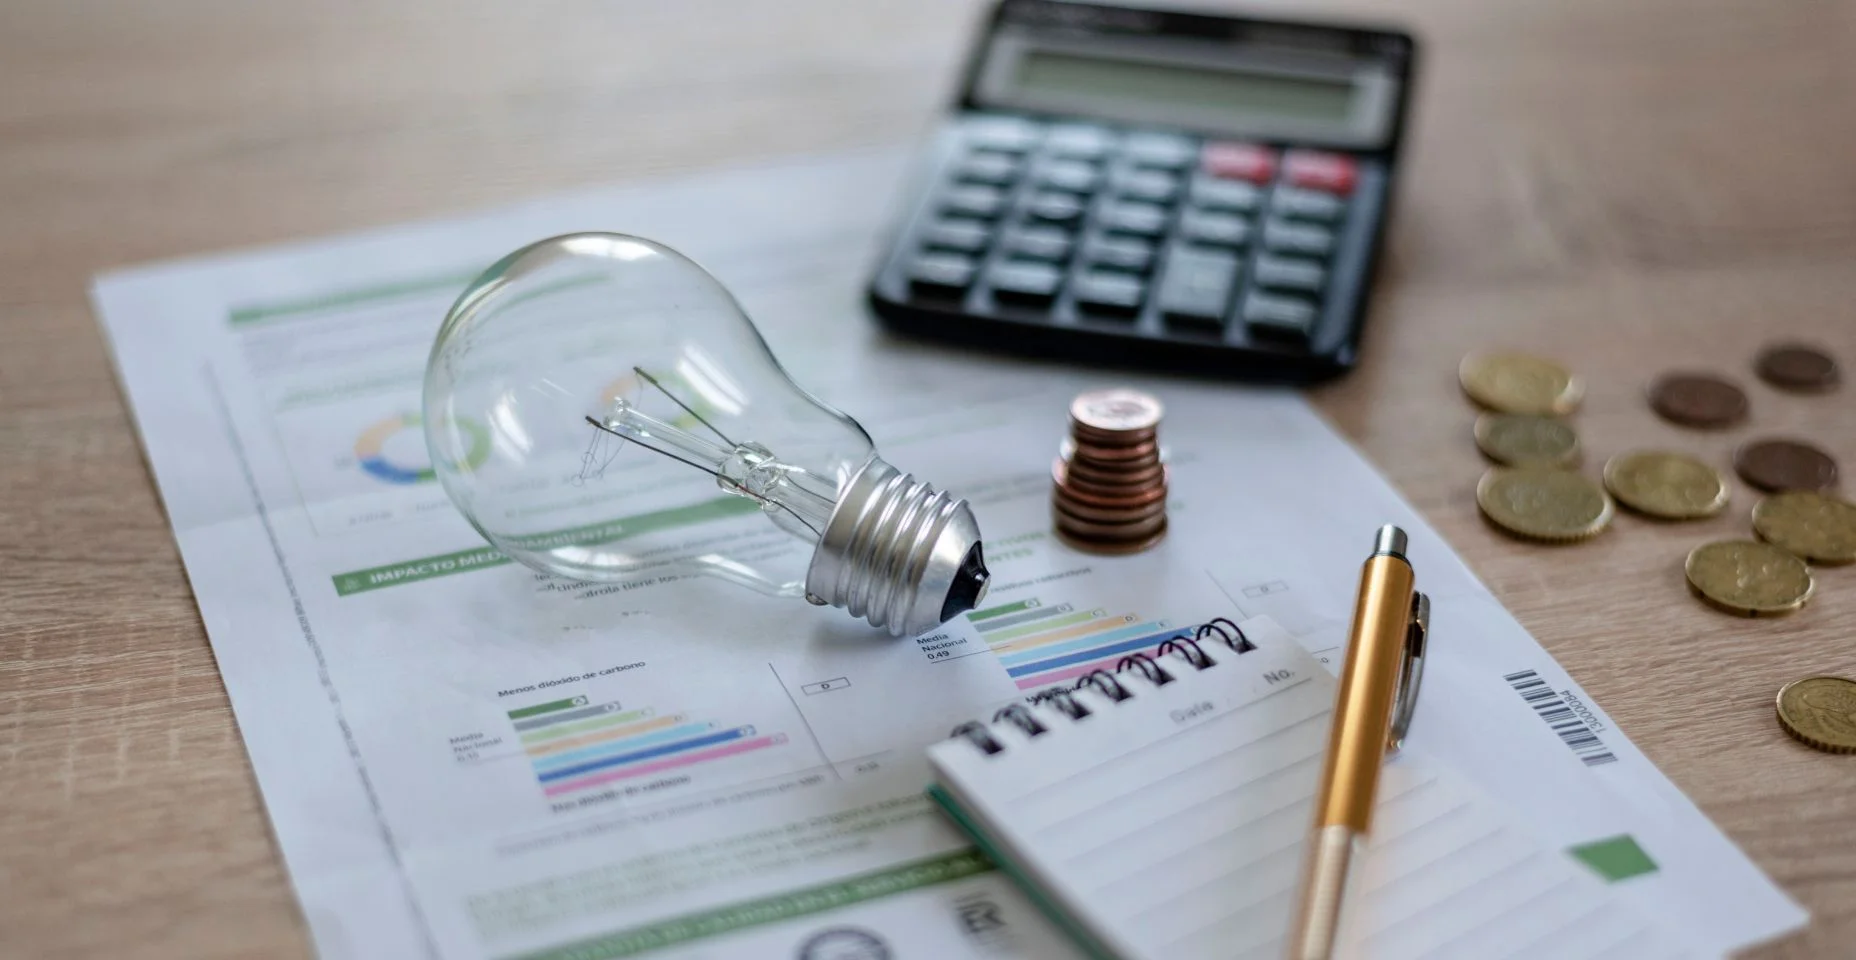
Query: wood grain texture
{"points": [[1629, 186]]}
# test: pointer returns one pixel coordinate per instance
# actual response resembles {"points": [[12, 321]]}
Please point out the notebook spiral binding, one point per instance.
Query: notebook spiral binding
{"points": [[1185, 644]]}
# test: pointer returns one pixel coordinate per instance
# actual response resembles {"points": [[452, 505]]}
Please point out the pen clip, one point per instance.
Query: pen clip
{"points": [[1410, 671]]}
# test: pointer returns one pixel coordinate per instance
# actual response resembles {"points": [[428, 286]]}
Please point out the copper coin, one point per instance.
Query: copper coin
{"points": [[1116, 411], [1140, 474], [1795, 366], [1095, 512], [1069, 522], [1776, 465], [1097, 492], [1111, 547], [1140, 451], [1111, 438], [1698, 400]]}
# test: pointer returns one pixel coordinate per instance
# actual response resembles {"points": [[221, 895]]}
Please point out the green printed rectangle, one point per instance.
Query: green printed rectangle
{"points": [[541, 708], [1614, 858], [585, 726], [464, 561], [1000, 610], [773, 909]]}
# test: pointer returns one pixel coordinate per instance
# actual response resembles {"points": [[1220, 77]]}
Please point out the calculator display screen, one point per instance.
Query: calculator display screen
{"points": [[1240, 94]]}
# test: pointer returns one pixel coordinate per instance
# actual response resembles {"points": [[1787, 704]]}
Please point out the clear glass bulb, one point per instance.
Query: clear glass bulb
{"points": [[631, 409]]}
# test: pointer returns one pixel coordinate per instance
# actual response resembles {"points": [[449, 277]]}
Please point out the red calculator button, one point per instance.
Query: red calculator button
{"points": [[1239, 161], [1332, 172]]}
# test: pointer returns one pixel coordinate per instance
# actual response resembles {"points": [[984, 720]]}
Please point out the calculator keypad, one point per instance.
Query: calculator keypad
{"points": [[1083, 223]]}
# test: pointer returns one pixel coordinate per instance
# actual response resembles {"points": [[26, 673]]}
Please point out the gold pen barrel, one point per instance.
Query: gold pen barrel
{"points": [[1361, 731], [1368, 687]]}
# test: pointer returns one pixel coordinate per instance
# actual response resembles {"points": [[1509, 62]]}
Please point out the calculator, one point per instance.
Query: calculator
{"points": [[1164, 189]]}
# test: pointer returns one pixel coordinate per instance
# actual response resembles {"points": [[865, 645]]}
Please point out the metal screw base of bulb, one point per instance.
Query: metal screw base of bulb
{"points": [[898, 553]]}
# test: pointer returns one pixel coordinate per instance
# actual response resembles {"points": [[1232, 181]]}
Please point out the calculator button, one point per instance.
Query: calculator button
{"points": [[1054, 207], [1307, 204], [1239, 161], [1271, 317], [973, 200], [1289, 273], [1197, 286], [1148, 185], [1214, 229], [1024, 281], [1009, 134], [1333, 172], [1070, 176], [1139, 219], [941, 273], [1162, 150], [1038, 243], [1080, 141], [1285, 236], [1119, 253], [1105, 291], [965, 236], [988, 167], [1211, 193]]}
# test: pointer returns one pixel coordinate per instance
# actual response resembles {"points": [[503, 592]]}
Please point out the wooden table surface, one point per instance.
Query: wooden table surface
{"points": [[1629, 186]]}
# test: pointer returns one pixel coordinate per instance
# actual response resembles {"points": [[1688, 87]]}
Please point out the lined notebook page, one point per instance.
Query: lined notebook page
{"points": [[1171, 826]]}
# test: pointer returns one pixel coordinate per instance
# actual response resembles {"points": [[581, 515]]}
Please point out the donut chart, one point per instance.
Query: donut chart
{"points": [[370, 450]]}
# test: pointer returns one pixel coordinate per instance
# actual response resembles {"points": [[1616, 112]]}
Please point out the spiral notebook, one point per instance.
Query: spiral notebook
{"points": [[1160, 812]]}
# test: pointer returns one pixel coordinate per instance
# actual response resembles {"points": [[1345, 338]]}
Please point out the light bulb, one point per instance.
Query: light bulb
{"points": [[598, 404]]}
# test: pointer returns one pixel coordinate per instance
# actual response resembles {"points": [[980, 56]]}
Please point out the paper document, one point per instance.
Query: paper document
{"points": [[1173, 825], [462, 758]]}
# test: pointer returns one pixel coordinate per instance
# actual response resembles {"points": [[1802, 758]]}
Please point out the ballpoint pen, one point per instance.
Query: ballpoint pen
{"points": [[1378, 693]]}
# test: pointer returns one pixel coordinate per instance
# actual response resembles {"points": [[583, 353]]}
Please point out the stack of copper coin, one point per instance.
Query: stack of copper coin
{"points": [[1110, 493]]}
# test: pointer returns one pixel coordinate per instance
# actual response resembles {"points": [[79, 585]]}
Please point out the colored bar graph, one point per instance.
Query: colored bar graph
{"points": [[603, 736], [713, 753], [614, 747], [584, 726], [1040, 644], [573, 744]]}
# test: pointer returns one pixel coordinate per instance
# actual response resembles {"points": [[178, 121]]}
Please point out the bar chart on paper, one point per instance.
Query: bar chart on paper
{"points": [[1041, 644], [575, 745]]}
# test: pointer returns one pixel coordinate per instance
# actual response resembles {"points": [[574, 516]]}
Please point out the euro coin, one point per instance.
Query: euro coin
{"points": [[1818, 528], [1669, 486], [1520, 439], [1519, 383], [1749, 578], [1544, 503], [1797, 367], [1698, 400], [1775, 465], [1820, 712], [1116, 411]]}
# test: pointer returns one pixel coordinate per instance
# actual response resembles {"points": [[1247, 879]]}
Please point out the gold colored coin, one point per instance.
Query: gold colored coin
{"points": [[1671, 486], [1820, 712], [1749, 578], [1521, 439], [1543, 503], [1819, 528], [1519, 383]]}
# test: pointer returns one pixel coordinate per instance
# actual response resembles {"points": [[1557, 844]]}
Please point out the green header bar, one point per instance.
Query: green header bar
{"points": [[1000, 610], [541, 708], [464, 561], [779, 907], [257, 313]]}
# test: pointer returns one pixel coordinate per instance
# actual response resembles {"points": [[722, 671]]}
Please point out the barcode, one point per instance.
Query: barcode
{"points": [[1552, 708]]}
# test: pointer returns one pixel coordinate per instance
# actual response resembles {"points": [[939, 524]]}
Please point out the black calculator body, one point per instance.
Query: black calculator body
{"points": [[1163, 189]]}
